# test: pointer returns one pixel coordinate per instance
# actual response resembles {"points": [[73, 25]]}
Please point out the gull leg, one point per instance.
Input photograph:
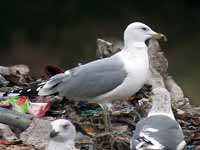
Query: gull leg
{"points": [[106, 117]]}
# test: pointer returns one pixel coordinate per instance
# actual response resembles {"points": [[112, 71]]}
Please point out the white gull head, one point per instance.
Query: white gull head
{"points": [[62, 135], [139, 32]]}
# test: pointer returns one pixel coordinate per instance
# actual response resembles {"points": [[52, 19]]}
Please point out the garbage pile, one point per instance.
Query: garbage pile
{"points": [[25, 120]]}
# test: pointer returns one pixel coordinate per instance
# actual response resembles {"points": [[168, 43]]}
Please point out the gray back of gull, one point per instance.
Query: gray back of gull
{"points": [[170, 134]]}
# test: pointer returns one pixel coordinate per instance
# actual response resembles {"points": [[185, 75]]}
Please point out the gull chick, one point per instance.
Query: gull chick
{"points": [[62, 135], [159, 130]]}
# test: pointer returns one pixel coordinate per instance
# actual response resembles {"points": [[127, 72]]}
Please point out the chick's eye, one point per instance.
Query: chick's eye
{"points": [[65, 126]]}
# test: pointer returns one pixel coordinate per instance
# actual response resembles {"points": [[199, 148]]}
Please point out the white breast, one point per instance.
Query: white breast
{"points": [[137, 67]]}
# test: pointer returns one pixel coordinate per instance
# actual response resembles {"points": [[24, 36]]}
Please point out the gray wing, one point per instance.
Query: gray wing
{"points": [[168, 134], [89, 80]]}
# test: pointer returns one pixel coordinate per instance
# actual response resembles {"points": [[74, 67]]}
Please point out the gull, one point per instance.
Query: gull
{"points": [[113, 78], [159, 130], [62, 135]]}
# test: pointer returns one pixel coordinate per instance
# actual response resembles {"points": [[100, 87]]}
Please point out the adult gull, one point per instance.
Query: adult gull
{"points": [[112, 78]]}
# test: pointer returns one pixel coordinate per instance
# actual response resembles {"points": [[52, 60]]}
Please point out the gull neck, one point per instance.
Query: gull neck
{"points": [[135, 44], [161, 106]]}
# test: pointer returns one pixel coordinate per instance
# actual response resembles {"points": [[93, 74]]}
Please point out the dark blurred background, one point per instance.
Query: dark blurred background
{"points": [[64, 32]]}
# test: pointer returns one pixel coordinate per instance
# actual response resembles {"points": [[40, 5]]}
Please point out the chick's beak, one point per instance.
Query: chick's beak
{"points": [[53, 133], [158, 36]]}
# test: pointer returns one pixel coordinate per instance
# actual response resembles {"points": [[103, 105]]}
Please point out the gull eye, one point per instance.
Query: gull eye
{"points": [[144, 29]]}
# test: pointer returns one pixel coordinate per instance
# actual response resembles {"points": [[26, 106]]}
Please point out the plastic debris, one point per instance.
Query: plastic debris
{"points": [[24, 105], [19, 103], [38, 109]]}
